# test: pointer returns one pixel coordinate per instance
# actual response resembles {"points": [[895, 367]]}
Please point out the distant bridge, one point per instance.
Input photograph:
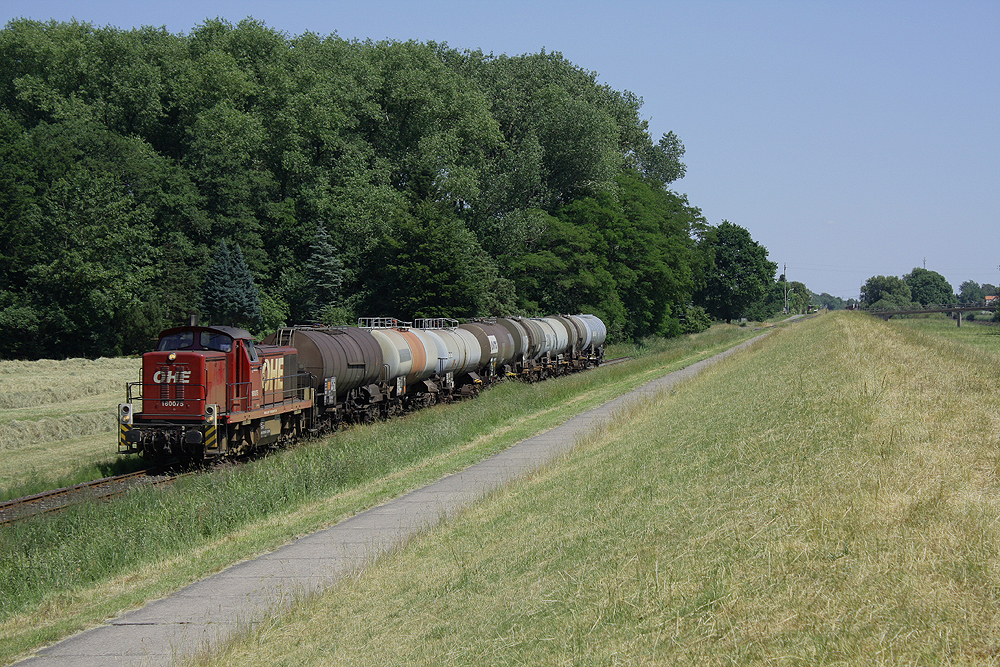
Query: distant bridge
{"points": [[886, 314]]}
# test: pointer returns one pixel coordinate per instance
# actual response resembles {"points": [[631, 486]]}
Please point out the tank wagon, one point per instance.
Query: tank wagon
{"points": [[211, 392]]}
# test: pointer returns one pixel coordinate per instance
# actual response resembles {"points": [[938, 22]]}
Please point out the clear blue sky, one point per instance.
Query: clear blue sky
{"points": [[851, 138]]}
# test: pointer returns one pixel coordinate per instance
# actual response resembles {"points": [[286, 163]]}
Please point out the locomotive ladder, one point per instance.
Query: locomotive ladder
{"points": [[285, 336]]}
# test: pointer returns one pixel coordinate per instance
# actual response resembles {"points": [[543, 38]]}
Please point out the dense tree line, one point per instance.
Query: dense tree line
{"points": [[923, 288], [919, 289], [971, 292], [147, 176], [826, 300]]}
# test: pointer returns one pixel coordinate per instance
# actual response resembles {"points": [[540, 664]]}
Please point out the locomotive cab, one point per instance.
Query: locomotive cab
{"points": [[208, 391]]}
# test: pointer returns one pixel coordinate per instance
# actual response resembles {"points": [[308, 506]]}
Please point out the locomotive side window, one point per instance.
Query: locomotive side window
{"points": [[177, 341]]}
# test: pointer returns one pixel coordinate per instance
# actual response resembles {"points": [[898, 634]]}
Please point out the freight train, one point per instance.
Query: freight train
{"points": [[209, 392]]}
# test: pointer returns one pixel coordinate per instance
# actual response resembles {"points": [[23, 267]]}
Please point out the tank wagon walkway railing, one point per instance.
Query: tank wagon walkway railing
{"points": [[206, 612], [958, 310]]}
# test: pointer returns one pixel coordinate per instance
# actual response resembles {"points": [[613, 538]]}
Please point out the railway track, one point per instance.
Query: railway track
{"points": [[103, 489], [98, 489]]}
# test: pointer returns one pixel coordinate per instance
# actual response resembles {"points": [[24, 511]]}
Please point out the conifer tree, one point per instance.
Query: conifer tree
{"points": [[246, 303], [229, 295], [325, 272]]}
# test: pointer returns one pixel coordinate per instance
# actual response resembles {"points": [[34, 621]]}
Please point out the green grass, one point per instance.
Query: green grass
{"points": [[64, 572], [982, 334], [828, 497]]}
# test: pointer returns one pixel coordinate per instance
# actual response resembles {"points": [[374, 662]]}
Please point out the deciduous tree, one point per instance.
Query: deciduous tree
{"points": [[886, 293], [929, 288], [970, 292], [738, 271]]}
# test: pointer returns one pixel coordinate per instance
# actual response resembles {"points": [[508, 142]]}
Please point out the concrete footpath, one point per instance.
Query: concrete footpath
{"points": [[208, 611]]}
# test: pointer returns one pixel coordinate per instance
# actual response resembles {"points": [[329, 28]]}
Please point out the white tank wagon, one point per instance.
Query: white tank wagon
{"points": [[410, 359], [591, 332]]}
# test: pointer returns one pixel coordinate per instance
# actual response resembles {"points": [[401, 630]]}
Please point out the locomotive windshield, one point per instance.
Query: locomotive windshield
{"points": [[206, 340]]}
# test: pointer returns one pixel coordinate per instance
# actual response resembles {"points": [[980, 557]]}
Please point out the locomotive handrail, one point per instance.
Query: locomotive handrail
{"points": [[285, 336], [197, 397], [238, 403], [435, 323], [287, 393], [131, 386], [383, 323]]}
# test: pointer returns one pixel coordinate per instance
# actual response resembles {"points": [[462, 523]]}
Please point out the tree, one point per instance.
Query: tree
{"points": [[565, 136], [661, 163], [324, 273], [929, 288], [738, 271], [886, 293], [799, 298], [430, 265], [770, 303], [970, 292], [229, 295], [826, 300]]}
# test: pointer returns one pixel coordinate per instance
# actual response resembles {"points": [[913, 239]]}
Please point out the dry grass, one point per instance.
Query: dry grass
{"points": [[47, 382], [57, 417], [829, 497]]}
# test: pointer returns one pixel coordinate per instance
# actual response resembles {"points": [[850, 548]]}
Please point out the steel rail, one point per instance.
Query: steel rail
{"points": [[98, 489]]}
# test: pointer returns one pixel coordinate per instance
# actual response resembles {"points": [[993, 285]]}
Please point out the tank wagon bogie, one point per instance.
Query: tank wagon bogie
{"points": [[209, 392]]}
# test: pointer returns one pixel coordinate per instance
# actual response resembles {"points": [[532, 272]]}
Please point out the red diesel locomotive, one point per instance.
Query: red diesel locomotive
{"points": [[211, 391]]}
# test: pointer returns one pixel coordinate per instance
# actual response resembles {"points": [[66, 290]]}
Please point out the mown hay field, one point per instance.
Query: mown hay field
{"points": [[829, 497], [58, 415]]}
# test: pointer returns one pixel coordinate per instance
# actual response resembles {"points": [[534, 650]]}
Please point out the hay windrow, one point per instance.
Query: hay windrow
{"points": [[16, 434], [28, 384]]}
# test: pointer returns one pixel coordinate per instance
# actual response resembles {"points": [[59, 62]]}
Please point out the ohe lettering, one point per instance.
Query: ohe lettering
{"points": [[172, 377]]}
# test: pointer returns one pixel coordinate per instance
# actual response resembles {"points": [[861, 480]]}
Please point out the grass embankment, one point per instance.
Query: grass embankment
{"points": [[828, 497], [61, 573], [58, 421]]}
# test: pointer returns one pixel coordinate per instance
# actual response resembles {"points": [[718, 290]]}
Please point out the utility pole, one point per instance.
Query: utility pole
{"points": [[785, 276]]}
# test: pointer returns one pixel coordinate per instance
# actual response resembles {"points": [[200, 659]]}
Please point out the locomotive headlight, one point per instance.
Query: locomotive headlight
{"points": [[211, 413], [125, 414], [172, 356]]}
